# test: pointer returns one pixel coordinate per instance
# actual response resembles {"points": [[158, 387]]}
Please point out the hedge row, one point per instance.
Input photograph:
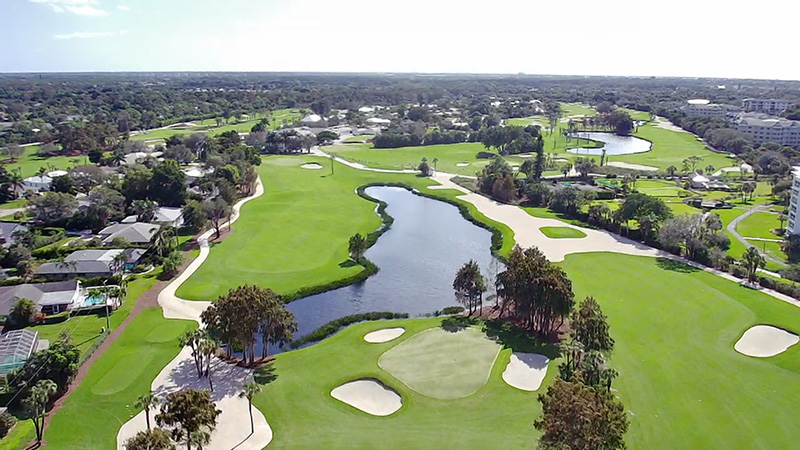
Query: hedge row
{"points": [[335, 325]]}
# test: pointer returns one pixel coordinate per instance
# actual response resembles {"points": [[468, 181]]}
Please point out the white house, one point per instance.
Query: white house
{"points": [[313, 121], [699, 181], [378, 121], [37, 183], [168, 216]]}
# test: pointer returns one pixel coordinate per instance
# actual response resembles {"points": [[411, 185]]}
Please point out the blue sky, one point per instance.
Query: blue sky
{"points": [[583, 37]]}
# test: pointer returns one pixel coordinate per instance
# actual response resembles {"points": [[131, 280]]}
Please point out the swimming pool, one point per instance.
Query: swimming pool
{"points": [[93, 300]]}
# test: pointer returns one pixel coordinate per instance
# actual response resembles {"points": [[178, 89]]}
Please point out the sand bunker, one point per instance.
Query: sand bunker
{"points": [[385, 335], [625, 165], [462, 164], [312, 166], [526, 371], [763, 341], [370, 396], [525, 156]]}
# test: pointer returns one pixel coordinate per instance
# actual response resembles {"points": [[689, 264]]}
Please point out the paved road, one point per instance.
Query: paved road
{"points": [[740, 238]]}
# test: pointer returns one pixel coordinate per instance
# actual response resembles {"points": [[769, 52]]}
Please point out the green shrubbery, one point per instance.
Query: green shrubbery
{"points": [[334, 326]]}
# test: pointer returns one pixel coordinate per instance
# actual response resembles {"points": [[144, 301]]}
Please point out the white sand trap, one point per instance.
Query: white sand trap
{"points": [[526, 371], [525, 156], [312, 166], [369, 396], [562, 160], [462, 164], [385, 335], [625, 165], [763, 341]]}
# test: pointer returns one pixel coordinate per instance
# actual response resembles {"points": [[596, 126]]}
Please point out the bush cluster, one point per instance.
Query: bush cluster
{"points": [[335, 325]]}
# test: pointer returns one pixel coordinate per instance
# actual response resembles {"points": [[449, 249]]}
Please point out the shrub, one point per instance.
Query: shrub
{"points": [[335, 325], [485, 155], [453, 310], [7, 422]]}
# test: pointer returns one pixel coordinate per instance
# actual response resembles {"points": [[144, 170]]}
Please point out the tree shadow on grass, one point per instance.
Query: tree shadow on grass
{"points": [[675, 266], [348, 263], [454, 324], [265, 374], [517, 339]]}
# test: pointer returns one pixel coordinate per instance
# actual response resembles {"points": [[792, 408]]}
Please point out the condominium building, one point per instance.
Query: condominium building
{"points": [[765, 105], [763, 128], [793, 224], [704, 108]]}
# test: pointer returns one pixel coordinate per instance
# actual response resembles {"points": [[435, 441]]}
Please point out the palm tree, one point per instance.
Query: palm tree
{"points": [[119, 261], [117, 157], [752, 261], [35, 404], [146, 402], [248, 392], [671, 171], [16, 182], [63, 264], [435, 160]]}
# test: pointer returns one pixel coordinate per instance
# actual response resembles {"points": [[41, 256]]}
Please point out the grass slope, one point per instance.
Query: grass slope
{"points": [[759, 225], [680, 377], [29, 163], [670, 148], [296, 234], [93, 414], [276, 119]]}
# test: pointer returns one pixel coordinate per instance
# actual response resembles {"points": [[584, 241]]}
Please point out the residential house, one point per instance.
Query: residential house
{"points": [[314, 121], [38, 183], [7, 232], [91, 263], [164, 215], [49, 298], [134, 233]]}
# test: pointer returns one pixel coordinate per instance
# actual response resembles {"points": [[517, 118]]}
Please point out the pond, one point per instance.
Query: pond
{"points": [[613, 144], [418, 258]]}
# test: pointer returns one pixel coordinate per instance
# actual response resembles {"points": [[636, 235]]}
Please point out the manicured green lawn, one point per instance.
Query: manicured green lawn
{"points": [[442, 364], [759, 225], [772, 249], [576, 109], [276, 119], [362, 138], [680, 378], [659, 188], [670, 148], [94, 413], [637, 115], [449, 155], [303, 415], [562, 232], [296, 234], [85, 329], [29, 163]]}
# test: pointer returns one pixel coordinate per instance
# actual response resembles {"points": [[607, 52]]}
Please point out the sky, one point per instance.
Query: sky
{"points": [[696, 38]]}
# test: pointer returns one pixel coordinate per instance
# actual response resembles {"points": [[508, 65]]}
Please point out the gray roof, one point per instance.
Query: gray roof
{"points": [[92, 261], [773, 122], [40, 293], [135, 233], [167, 214]]}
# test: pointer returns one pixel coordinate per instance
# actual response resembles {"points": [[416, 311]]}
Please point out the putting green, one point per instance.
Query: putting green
{"points": [[442, 364], [562, 232]]}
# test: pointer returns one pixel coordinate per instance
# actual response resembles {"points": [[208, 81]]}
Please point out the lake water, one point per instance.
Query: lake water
{"points": [[418, 258], [613, 144]]}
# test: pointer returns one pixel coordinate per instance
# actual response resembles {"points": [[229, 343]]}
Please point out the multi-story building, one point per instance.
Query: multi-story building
{"points": [[765, 105], [762, 128], [793, 224], [704, 108]]}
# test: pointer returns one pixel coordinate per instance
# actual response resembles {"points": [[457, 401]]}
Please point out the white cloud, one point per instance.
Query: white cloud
{"points": [[85, 35], [123, 8], [78, 7]]}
